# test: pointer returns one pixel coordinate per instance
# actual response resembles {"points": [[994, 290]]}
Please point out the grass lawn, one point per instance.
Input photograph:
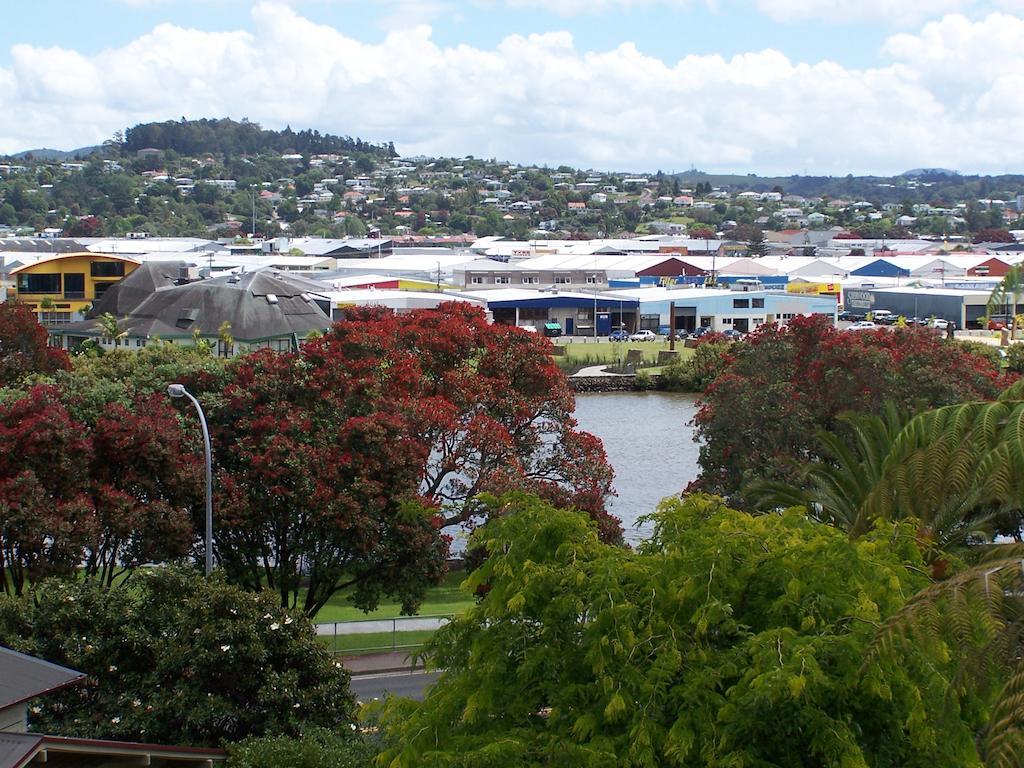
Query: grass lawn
{"points": [[377, 642], [443, 599], [579, 354]]}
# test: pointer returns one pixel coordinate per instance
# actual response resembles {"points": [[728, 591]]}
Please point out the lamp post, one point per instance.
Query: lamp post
{"points": [[178, 390]]}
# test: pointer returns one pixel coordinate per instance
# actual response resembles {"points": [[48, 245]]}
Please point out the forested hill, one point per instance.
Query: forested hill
{"points": [[226, 136]]}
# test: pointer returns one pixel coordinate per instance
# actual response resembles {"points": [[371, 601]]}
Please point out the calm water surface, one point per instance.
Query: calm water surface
{"points": [[649, 442]]}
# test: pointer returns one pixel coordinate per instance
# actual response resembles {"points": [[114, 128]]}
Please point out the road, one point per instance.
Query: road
{"points": [[412, 685]]}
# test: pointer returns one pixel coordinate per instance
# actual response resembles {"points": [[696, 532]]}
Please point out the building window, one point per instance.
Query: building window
{"points": [[726, 321], [741, 303], [39, 283], [74, 285], [476, 280], [54, 318], [502, 280], [563, 279], [757, 303], [591, 279], [530, 279], [107, 269]]}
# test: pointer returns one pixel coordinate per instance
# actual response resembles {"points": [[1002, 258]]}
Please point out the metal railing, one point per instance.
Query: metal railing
{"points": [[395, 630]]}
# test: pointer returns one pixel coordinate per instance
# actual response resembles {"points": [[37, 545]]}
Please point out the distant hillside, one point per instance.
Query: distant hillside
{"points": [[933, 185], [930, 172], [56, 155], [197, 137]]}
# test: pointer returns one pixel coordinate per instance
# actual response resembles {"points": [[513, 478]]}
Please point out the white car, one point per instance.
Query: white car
{"points": [[939, 324], [643, 336], [862, 325]]}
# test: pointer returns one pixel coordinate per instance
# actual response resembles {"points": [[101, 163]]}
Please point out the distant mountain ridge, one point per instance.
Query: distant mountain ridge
{"points": [[57, 154]]}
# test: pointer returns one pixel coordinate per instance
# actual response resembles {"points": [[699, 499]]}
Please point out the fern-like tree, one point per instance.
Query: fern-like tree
{"points": [[958, 471], [1005, 297]]}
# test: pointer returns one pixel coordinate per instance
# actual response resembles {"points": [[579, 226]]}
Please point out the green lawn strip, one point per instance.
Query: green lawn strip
{"points": [[603, 352], [442, 600], [376, 642]]}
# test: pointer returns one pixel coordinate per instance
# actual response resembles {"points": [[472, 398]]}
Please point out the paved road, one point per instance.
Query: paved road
{"points": [[412, 685]]}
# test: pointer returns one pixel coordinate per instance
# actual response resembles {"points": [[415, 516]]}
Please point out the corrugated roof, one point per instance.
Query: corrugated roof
{"points": [[24, 677]]}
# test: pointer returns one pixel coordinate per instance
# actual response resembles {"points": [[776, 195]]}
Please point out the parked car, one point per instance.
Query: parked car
{"points": [[849, 315], [643, 336], [862, 325], [732, 334], [939, 324], [619, 335], [882, 317], [702, 331]]}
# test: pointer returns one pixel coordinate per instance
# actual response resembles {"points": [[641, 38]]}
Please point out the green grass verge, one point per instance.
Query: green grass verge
{"points": [[376, 642], [580, 354], [444, 599]]}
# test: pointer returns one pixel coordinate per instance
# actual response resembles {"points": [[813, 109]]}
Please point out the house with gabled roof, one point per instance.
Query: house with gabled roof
{"points": [[24, 678]]}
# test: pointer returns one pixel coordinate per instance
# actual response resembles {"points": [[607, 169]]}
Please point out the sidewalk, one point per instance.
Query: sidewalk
{"points": [[374, 663]]}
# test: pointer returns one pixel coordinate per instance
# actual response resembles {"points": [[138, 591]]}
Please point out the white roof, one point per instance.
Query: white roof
{"points": [[526, 294], [956, 292], [370, 297]]}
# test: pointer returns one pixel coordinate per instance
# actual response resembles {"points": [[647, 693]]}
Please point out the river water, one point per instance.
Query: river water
{"points": [[649, 442]]}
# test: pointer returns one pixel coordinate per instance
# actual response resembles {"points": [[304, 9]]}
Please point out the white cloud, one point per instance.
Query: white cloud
{"points": [[950, 96]]}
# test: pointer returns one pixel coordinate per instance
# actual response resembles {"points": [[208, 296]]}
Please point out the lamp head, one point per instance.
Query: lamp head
{"points": [[176, 390]]}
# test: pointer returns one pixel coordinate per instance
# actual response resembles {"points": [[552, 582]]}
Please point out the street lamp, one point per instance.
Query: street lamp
{"points": [[178, 390]]}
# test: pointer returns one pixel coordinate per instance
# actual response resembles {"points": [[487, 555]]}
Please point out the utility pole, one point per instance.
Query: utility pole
{"points": [[672, 326]]}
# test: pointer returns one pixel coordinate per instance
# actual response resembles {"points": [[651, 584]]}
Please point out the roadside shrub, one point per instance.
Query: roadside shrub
{"points": [[694, 373], [984, 351], [1015, 358], [317, 748], [643, 381]]}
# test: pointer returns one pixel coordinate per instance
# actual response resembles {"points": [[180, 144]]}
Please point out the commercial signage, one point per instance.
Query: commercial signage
{"points": [[813, 288], [859, 299]]}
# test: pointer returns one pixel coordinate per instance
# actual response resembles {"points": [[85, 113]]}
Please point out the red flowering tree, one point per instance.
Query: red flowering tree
{"points": [[111, 494], [45, 515], [144, 480], [340, 464], [23, 345], [317, 489], [488, 400], [759, 416]]}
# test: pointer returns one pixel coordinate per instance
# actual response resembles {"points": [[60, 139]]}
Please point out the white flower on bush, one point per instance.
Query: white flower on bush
{"points": [[275, 626], [225, 648]]}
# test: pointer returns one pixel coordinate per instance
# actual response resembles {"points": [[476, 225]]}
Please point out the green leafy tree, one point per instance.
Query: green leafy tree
{"points": [[172, 657], [725, 640]]}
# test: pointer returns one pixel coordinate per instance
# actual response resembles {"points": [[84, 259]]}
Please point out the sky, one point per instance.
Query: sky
{"points": [[773, 87]]}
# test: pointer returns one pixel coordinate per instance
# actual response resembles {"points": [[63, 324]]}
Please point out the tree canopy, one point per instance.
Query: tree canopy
{"points": [[759, 417], [174, 658], [23, 346], [725, 640]]}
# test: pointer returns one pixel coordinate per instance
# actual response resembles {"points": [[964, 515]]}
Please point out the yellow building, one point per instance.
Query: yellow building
{"points": [[61, 287]]}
